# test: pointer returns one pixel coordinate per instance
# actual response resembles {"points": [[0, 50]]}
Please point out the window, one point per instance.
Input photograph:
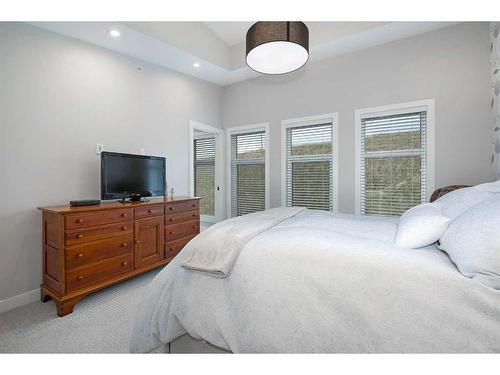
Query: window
{"points": [[204, 174], [248, 171], [310, 151], [393, 150]]}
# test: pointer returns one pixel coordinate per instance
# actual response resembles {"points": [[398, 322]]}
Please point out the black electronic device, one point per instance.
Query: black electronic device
{"points": [[132, 176], [84, 202]]}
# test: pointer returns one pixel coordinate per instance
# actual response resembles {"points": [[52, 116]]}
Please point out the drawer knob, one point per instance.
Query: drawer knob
{"points": [[171, 219], [194, 215], [79, 255], [171, 232], [79, 220], [79, 235], [124, 214], [124, 228], [79, 277], [194, 226], [171, 249], [137, 242], [124, 244], [170, 208], [150, 211], [194, 204], [124, 263]]}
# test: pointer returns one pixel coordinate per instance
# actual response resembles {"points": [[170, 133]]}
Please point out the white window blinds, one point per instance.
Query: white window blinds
{"points": [[248, 173], [393, 163], [309, 166], [204, 174]]}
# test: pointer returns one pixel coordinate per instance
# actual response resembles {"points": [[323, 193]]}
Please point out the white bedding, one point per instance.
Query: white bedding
{"points": [[218, 249], [323, 282]]}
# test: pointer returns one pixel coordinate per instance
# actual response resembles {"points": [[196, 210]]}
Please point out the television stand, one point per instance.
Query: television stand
{"points": [[133, 199], [88, 248], [130, 201]]}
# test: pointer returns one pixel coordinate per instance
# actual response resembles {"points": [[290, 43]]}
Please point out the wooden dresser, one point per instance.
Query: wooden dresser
{"points": [[91, 247]]}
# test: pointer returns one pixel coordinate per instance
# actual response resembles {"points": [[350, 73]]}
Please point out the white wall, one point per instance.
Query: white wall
{"points": [[450, 65], [60, 97]]}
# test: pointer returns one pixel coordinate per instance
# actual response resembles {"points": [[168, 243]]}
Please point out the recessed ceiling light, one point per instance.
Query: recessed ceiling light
{"points": [[114, 33], [196, 64]]}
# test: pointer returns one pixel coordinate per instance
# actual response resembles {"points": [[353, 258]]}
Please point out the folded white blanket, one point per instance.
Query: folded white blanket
{"points": [[216, 251]]}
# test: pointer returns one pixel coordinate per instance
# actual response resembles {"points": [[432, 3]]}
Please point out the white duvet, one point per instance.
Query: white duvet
{"points": [[323, 282]]}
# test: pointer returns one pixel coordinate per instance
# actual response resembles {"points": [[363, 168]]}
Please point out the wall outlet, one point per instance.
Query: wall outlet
{"points": [[99, 148]]}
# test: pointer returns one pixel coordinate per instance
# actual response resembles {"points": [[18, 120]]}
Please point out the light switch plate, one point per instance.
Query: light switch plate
{"points": [[99, 148], [141, 151]]}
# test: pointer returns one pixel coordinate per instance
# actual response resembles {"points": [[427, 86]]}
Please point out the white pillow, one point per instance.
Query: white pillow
{"points": [[458, 201], [421, 226], [472, 241]]}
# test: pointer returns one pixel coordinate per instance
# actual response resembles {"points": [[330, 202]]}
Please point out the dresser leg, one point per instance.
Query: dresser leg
{"points": [[65, 307], [44, 297]]}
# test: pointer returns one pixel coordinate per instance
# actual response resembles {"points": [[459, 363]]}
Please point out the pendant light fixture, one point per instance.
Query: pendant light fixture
{"points": [[277, 47]]}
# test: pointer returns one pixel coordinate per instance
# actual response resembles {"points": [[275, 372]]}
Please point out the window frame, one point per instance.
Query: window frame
{"points": [[243, 130], [427, 105], [308, 121]]}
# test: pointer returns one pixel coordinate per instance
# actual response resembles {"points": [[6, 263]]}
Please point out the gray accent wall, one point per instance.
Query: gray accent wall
{"points": [[59, 97], [450, 65]]}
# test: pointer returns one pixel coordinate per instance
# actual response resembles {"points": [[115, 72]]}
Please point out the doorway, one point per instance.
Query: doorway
{"points": [[205, 171]]}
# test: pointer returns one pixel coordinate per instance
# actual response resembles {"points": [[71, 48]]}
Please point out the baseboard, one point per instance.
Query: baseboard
{"points": [[19, 300]]}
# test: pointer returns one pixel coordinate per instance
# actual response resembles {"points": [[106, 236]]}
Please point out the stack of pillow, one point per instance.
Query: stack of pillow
{"points": [[466, 222]]}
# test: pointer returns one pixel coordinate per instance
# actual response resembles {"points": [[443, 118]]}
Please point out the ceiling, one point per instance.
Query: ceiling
{"points": [[215, 51], [232, 33]]}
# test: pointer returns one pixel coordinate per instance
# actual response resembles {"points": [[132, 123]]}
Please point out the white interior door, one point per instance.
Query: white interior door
{"points": [[205, 163]]}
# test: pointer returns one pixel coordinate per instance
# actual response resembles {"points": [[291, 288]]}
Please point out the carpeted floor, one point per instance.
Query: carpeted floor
{"points": [[100, 323]]}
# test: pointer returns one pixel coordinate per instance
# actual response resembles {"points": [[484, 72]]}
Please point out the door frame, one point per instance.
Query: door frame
{"points": [[219, 172]]}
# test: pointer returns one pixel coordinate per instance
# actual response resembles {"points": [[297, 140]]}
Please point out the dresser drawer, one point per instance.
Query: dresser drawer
{"points": [[175, 231], [172, 248], [149, 211], [78, 236], [173, 207], [96, 272], [92, 219], [81, 255], [181, 217]]}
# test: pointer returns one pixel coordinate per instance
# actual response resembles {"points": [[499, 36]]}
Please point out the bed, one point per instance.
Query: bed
{"points": [[320, 282]]}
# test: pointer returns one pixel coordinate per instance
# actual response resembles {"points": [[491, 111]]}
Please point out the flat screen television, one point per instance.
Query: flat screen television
{"points": [[132, 176]]}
